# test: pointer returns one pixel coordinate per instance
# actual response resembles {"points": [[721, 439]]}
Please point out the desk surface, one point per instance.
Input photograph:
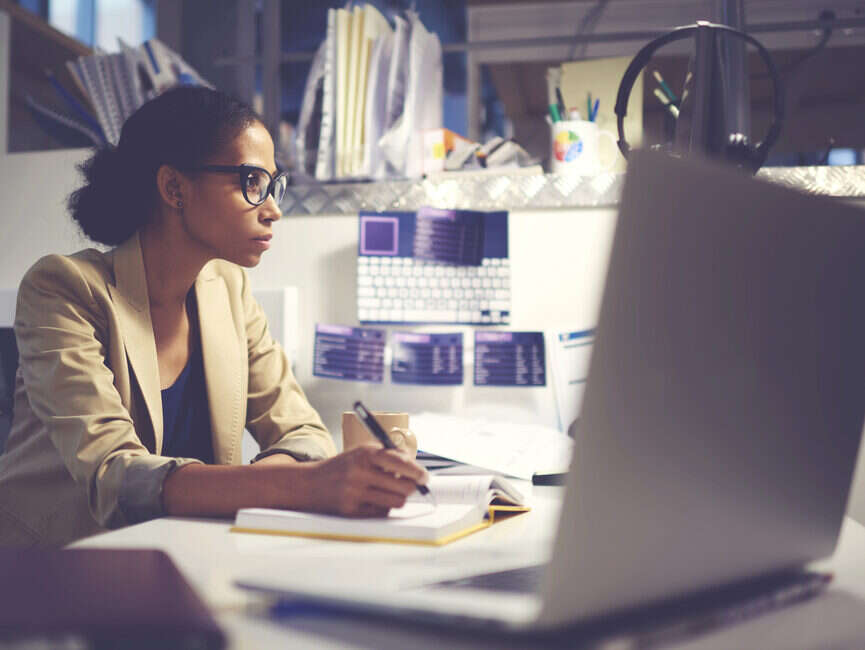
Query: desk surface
{"points": [[211, 558]]}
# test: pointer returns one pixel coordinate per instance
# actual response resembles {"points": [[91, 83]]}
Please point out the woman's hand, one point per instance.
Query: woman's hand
{"points": [[364, 482]]}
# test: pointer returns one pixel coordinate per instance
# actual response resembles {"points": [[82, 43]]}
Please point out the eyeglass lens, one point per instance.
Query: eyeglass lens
{"points": [[257, 183]]}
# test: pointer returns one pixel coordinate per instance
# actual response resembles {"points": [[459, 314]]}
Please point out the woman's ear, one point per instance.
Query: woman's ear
{"points": [[171, 184]]}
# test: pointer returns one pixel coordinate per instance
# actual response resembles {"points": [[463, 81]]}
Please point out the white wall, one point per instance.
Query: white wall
{"points": [[33, 221]]}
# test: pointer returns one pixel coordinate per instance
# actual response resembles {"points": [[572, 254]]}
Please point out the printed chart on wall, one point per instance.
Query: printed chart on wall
{"points": [[433, 266], [349, 353], [427, 359], [569, 357], [510, 359]]}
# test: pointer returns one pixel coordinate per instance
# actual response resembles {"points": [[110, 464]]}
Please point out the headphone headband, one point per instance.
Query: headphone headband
{"points": [[761, 151]]}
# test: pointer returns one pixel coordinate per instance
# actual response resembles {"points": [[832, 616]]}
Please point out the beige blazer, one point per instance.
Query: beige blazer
{"points": [[84, 450]]}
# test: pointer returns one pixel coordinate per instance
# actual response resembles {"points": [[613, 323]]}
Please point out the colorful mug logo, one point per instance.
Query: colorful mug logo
{"points": [[567, 146]]}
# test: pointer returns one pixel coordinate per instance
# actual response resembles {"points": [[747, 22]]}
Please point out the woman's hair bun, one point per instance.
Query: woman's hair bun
{"points": [[181, 127], [102, 206]]}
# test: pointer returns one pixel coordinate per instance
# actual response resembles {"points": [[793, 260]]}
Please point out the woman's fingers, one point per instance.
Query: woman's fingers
{"points": [[396, 462], [390, 482]]}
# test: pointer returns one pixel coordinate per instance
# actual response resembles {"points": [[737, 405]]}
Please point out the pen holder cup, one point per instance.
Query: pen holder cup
{"points": [[354, 433], [576, 148]]}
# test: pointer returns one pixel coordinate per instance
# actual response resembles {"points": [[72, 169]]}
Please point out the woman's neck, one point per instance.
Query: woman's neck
{"points": [[171, 265]]}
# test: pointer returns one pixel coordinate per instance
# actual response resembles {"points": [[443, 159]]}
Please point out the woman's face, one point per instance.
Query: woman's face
{"points": [[218, 217]]}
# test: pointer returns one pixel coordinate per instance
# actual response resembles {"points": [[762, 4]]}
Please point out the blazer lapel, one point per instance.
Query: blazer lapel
{"points": [[133, 312], [223, 368]]}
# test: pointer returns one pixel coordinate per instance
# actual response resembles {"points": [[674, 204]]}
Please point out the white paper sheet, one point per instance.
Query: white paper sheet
{"points": [[518, 450], [570, 354]]}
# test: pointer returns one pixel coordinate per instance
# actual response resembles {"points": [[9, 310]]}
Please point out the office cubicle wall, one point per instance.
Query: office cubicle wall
{"points": [[558, 259]]}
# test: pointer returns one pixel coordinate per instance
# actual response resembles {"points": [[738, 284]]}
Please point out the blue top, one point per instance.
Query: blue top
{"points": [[185, 418]]}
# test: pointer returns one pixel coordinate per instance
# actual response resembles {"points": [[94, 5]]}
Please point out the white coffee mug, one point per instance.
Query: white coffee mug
{"points": [[576, 148]]}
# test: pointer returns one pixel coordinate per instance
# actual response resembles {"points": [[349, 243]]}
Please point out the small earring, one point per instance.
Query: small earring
{"points": [[180, 204]]}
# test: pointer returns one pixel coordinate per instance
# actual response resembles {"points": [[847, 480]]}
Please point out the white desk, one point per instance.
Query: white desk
{"points": [[211, 558]]}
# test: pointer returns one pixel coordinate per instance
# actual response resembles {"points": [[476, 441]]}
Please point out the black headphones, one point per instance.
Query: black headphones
{"points": [[738, 150]]}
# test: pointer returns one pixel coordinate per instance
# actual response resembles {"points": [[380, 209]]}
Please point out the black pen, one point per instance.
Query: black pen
{"points": [[375, 429], [561, 102]]}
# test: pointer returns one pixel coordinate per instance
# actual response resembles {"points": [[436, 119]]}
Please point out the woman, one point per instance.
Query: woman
{"points": [[141, 366]]}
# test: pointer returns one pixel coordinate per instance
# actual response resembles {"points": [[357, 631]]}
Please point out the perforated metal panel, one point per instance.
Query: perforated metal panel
{"points": [[514, 191]]}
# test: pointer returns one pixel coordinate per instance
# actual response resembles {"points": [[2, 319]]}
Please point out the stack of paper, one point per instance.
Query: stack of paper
{"points": [[377, 87], [518, 450], [117, 84]]}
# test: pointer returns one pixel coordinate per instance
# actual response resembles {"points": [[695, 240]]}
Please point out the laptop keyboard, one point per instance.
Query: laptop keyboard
{"points": [[522, 580]]}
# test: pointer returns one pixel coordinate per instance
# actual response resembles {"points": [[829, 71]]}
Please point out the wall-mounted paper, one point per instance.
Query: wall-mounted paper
{"points": [[350, 353]]}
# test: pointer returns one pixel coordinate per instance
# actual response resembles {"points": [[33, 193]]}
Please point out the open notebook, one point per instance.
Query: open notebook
{"points": [[464, 504]]}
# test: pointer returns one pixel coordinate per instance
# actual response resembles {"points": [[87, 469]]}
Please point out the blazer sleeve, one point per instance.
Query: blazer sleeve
{"points": [[62, 337], [278, 414]]}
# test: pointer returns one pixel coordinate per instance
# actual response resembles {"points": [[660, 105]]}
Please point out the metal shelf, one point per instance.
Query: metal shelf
{"points": [[512, 190]]}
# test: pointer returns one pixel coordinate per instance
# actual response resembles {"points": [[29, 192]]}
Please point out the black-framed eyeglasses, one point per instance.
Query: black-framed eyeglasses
{"points": [[256, 182]]}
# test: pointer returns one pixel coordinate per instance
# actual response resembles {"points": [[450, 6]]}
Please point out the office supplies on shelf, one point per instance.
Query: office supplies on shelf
{"points": [[560, 102], [311, 120], [397, 74], [510, 359], [379, 89], [343, 57], [325, 162], [100, 598], [349, 353], [427, 359], [76, 106], [117, 84], [503, 447], [576, 148], [465, 504], [690, 473], [375, 25], [601, 78], [595, 107], [553, 79], [395, 287], [570, 354], [671, 108], [375, 429], [354, 62], [375, 119], [402, 143], [668, 93], [63, 127]]}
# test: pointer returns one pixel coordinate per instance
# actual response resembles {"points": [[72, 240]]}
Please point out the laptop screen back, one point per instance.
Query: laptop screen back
{"points": [[724, 405]]}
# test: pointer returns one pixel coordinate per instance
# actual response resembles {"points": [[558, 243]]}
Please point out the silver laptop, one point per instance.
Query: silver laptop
{"points": [[722, 416]]}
